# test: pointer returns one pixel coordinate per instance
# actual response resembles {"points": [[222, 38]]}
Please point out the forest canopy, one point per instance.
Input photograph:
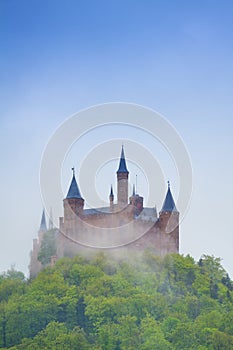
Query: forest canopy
{"points": [[102, 304]]}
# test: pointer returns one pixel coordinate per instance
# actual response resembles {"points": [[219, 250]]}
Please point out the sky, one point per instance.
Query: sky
{"points": [[60, 57]]}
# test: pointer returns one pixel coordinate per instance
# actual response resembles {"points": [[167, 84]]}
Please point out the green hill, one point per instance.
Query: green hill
{"points": [[97, 303]]}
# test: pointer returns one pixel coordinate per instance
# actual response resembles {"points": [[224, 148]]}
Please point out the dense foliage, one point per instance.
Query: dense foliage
{"points": [[48, 247], [97, 303]]}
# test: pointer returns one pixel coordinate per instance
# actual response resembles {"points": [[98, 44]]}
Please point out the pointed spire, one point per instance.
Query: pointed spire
{"points": [[73, 190], [111, 198], [43, 226], [169, 204], [111, 192], [122, 165]]}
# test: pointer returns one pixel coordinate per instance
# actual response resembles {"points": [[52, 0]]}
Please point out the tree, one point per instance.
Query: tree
{"points": [[152, 336], [81, 303], [48, 247], [56, 336]]}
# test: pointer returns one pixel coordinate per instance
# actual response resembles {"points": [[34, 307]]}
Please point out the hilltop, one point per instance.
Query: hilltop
{"points": [[144, 303]]}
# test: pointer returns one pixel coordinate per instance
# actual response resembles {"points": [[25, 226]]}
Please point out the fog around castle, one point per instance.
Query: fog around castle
{"points": [[175, 58]]}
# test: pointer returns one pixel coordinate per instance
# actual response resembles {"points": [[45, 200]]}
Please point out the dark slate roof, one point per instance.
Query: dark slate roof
{"points": [[97, 211], [73, 190], [43, 226], [169, 204], [111, 192], [148, 214], [122, 164]]}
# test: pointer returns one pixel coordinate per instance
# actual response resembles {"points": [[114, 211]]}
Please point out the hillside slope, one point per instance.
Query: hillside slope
{"points": [[143, 303]]}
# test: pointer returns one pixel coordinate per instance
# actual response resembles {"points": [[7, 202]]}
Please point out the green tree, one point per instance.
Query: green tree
{"points": [[143, 303], [152, 336], [48, 247]]}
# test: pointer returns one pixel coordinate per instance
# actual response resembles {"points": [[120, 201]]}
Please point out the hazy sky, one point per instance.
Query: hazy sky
{"points": [[58, 57]]}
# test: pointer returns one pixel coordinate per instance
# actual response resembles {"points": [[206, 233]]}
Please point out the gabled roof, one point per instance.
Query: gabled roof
{"points": [[73, 190], [169, 204], [122, 165], [43, 226]]}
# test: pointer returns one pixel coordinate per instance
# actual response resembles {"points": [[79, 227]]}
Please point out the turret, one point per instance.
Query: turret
{"points": [[122, 181], [169, 218], [137, 202], [73, 203], [35, 265], [111, 198]]}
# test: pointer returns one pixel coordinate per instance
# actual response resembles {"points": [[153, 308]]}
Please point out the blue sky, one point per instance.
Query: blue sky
{"points": [[175, 57]]}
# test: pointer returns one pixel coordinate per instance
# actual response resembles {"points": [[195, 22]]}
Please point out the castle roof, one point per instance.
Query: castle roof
{"points": [[148, 214], [169, 204], [43, 226], [73, 190], [111, 192], [122, 165], [97, 211]]}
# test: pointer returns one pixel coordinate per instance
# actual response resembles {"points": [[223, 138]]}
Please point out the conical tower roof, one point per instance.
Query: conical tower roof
{"points": [[43, 226], [73, 190], [169, 204], [111, 192], [122, 165]]}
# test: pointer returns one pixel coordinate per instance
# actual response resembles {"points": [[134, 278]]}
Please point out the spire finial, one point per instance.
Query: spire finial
{"points": [[73, 170], [136, 184], [168, 184]]}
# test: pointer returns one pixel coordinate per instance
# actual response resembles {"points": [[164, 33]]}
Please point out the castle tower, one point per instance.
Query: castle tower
{"points": [[111, 198], [137, 202], [122, 181], [73, 203], [35, 265], [169, 219]]}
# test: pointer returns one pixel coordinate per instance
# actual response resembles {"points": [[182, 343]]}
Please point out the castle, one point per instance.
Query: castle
{"points": [[122, 227]]}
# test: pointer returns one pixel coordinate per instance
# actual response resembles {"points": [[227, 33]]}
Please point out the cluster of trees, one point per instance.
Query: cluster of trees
{"points": [[144, 303], [48, 247]]}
